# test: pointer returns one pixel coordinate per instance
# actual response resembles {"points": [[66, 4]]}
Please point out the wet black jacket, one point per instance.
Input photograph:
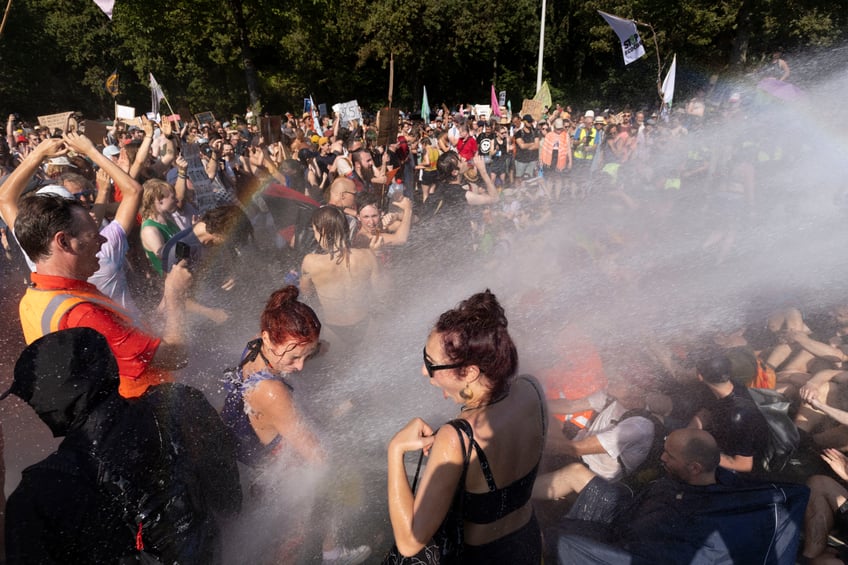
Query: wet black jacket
{"points": [[165, 454]]}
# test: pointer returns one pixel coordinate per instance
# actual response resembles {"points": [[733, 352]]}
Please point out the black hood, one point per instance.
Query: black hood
{"points": [[64, 376]]}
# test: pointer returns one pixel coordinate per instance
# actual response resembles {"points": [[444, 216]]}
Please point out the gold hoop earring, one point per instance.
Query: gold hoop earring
{"points": [[466, 394]]}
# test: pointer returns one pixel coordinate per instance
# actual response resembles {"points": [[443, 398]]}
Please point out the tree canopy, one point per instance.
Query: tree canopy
{"points": [[57, 53]]}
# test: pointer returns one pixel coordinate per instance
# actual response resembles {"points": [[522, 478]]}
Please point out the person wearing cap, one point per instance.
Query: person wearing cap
{"points": [[526, 139], [585, 144]]}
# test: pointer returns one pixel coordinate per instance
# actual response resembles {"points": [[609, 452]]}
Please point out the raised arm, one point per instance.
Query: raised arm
{"points": [[143, 150], [128, 208], [16, 182], [491, 196]]}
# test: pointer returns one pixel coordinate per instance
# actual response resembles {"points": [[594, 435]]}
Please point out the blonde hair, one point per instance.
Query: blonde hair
{"points": [[154, 189]]}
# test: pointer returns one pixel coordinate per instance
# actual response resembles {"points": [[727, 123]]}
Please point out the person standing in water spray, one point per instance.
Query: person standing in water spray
{"points": [[472, 504], [259, 408]]}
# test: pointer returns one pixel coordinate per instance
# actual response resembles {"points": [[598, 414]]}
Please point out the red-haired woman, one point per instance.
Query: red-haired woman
{"points": [[259, 408], [477, 484]]}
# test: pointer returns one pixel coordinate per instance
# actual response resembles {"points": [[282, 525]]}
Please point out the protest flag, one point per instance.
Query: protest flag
{"points": [[425, 108], [315, 122], [111, 84], [668, 83], [496, 109], [106, 6], [631, 43], [544, 95], [156, 95]]}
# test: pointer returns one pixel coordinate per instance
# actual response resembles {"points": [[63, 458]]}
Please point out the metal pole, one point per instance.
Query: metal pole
{"points": [[541, 47]]}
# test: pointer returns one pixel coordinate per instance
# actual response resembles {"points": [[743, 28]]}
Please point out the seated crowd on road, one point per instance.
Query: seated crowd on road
{"points": [[672, 451]]}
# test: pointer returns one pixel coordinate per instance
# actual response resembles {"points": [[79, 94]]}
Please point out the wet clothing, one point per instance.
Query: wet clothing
{"points": [[57, 303], [737, 425], [236, 412], [168, 231], [127, 475], [524, 544]]}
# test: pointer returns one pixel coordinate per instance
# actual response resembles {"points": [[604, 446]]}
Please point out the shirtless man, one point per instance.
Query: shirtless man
{"points": [[341, 278]]}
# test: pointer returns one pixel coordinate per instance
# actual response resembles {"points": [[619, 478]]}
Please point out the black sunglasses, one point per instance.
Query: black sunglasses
{"points": [[433, 368]]}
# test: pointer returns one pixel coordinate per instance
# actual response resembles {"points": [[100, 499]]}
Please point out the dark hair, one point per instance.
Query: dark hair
{"points": [[475, 333], [358, 155], [702, 449], [364, 199], [228, 221], [715, 368], [286, 318], [333, 231], [40, 217], [448, 163]]}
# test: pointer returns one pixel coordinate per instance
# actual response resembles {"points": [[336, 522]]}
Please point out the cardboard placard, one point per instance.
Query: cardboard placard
{"points": [[532, 107], [57, 121], [204, 118], [95, 131], [387, 125], [271, 129], [482, 111], [347, 111], [124, 112]]}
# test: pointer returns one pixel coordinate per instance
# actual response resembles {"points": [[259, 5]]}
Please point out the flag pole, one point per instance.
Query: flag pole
{"points": [[5, 16], [541, 48], [659, 62]]}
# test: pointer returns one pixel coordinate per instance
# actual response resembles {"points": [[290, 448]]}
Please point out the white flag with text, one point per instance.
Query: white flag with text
{"points": [[631, 43]]}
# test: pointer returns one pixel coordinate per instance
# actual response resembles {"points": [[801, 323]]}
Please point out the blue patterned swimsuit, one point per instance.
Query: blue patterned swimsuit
{"points": [[236, 412]]}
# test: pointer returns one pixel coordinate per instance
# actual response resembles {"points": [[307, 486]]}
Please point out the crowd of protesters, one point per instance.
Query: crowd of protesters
{"points": [[186, 215]]}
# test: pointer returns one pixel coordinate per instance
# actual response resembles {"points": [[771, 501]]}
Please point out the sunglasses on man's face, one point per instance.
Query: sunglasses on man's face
{"points": [[433, 368]]}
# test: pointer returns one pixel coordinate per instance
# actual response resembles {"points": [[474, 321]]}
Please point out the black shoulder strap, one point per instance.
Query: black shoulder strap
{"points": [[542, 403], [460, 426]]}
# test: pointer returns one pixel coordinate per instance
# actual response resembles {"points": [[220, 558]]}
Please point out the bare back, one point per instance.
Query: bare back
{"points": [[344, 289]]}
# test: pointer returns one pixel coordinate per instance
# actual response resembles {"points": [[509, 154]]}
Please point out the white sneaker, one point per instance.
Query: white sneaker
{"points": [[348, 556]]}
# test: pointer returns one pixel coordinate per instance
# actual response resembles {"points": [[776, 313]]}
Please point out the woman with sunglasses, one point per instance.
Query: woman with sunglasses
{"points": [[482, 465], [260, 409]]}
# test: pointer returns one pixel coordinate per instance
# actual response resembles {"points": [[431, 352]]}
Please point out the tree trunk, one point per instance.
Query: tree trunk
{"points": [[739, 47], [246, 55]]}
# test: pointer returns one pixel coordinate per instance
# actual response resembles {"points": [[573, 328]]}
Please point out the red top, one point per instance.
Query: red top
{"points": [[132, 347]]}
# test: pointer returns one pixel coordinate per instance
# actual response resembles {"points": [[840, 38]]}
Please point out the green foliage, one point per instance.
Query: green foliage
{"points": [[57, 53]]}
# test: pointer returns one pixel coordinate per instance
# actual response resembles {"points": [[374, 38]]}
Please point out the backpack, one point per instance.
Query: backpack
{"points": [[651, 468], [783, 437], [143, 465]]}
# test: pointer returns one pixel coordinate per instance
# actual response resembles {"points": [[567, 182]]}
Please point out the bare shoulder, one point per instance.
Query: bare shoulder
{"points": [[269, 395]]}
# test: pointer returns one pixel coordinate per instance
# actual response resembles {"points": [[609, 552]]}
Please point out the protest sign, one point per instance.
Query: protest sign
{"points": [[387, 125], [482, 111], [124, 112], [93, 130], [60, 121], [347, 111], [502, 98], [271, 128], [204, 118], [196, 172], [532, 107]]}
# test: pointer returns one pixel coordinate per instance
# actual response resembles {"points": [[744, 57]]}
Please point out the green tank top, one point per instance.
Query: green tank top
{"points": [[168, 231]]}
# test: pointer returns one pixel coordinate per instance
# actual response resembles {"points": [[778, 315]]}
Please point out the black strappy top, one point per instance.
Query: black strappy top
{"points": [[485, 508]]}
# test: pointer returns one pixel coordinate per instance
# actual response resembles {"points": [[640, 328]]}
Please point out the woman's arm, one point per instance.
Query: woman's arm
{"points": [[415, 518], [274, 402]]}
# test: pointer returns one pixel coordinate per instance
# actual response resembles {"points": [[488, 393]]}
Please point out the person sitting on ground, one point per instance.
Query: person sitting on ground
{"points": [[697, 514], [611, 446], [730, 415]]}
